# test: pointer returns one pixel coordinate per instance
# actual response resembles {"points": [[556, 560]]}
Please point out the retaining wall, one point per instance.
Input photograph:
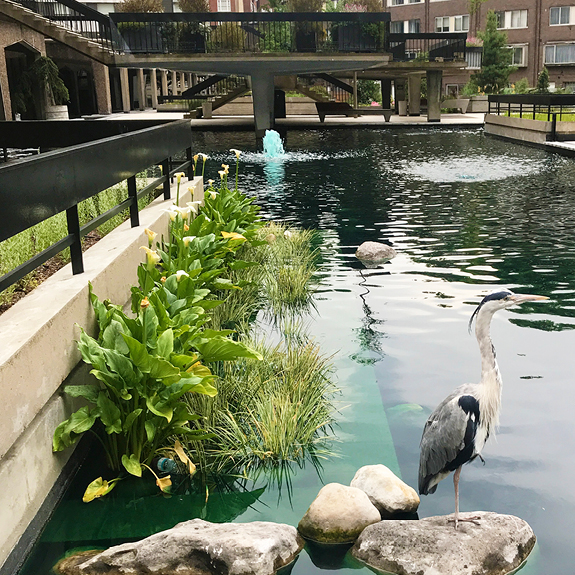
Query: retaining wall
{"points": [[526, 130], [38, 353]]}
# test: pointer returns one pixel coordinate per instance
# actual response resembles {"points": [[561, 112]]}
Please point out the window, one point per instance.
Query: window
{"points": [[396, 27], [511, 19], [396, 2], [560, 54], [442, 24], [559, 15], [414, 26], [519, 56], [461, 23], [415, 1], [569, 87], [224, 5]]}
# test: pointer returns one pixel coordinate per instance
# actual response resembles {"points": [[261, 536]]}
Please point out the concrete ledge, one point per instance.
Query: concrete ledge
{"points": [[524, 129], [38, 352]]}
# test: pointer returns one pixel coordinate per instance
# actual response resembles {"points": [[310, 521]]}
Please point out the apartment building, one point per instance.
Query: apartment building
{"points": [[540, 32]]}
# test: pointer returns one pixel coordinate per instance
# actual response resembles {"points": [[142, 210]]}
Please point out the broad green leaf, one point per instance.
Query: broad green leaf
{"points": [[240, 265], [182, 361], [69, 430], [210, 303], [165, 345], [151, 428], [194, 385], [222, 283], [92, 352], [131, 418], [121, 365], [159, 408], [98, 488], [112, 380], [160, 368], [112, 337], [138, 353], [199, 370], [222, 349], [109, 414], [132, 465], [89, 392], [150, 326]]}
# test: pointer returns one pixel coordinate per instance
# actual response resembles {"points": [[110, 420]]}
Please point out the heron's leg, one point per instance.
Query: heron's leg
{"points": [[456, 519]]}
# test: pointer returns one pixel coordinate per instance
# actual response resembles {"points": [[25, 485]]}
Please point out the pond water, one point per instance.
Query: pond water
{"points": [[467, 214]]}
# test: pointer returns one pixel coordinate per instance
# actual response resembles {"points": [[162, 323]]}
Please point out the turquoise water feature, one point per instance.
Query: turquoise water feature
{"points": [[467, 214]]}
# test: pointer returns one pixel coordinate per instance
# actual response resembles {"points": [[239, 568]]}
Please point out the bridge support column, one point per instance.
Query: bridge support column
{"points": [[164, 82], [174, 83], [434, 80], [125, 89], [154, 88], [102, 86], [263, 97], [399, 84], [385, 94], [141, 87], [414, 93]]}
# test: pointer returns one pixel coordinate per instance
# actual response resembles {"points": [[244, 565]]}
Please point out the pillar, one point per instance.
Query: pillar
{"points": [[263, 98], [386, 94], [154, 88], [141, 87], [399, 84], [414, 93], [190, 80], [174, 83], [434, 81], [102, 87], [355, 100], [125, 88], [164, 82]]}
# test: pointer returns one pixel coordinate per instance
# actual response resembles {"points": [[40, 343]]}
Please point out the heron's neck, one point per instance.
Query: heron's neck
{"points": [[490, 384]]}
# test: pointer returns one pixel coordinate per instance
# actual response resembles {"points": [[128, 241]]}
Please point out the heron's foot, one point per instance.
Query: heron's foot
{"points": [[482, 460], [475, 520]]}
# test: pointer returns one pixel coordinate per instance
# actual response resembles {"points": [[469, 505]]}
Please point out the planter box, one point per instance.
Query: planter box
{"points": [[460, 103], [527, 130], [478, 105], [57, 113], [351, 38], [306, 41]]}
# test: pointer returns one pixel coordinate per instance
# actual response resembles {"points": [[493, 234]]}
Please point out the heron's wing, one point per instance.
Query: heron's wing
{"points": [[448, 437]]}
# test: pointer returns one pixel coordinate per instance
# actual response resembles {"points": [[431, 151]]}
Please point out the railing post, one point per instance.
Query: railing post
{"points": [[189, 159], [554, 127], [521, 109], [133, 195], [76, 247], [166, 173]]}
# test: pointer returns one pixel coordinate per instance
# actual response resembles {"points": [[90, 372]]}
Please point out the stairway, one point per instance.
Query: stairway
{"points": [[89, 47]]}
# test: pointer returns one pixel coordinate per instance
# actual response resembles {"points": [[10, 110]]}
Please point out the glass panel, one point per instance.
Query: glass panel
{"points": [[396, 27], [517, 56], [465, 24], [458, 23], [414, 26], [565, 54], [549, 54], [564, 15], [554, 16], [500, 19]]}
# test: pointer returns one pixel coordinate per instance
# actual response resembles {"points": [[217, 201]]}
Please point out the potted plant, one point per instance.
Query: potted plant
{"points": [[306, 32], [44, 74], [356, 36], [192, 35], [141, 36]]}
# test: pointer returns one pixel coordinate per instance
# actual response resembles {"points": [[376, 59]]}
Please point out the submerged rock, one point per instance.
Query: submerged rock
{"points": [[385, 490], [371, 254], [497, 545], [338, 515], [197, 547]]}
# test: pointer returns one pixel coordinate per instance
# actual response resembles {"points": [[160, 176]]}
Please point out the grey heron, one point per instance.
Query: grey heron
{"points": [[457, 430]]}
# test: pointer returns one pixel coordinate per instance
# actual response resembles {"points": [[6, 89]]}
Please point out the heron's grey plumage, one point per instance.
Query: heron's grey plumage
{"points": [[458, 428]]}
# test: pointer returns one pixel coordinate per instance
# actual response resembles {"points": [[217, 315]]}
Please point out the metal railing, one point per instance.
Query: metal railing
{"points": [[208, 88], [533, 106], [331, 88], [78, 18], [427, 47], [258, 32], [58, 181]]}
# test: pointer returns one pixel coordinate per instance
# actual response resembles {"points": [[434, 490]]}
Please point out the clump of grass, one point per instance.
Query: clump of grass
{"points": [[267, 412]]}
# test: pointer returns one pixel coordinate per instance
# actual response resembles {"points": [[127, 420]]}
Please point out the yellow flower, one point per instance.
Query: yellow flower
{"points": [[179, 176], [186, 227], [180, 274], [144, 303], [204, 156], [172, 213], [226, 168], [213, 194], [196, 158], [152, 256], [151, 236], [194, 206], [211, 182], [222, 174], [163, 279], [184, 212], [236, 152], [188, 239], [232, 236]]}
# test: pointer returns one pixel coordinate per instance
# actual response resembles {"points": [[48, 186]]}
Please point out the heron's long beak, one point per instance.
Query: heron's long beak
{"points": [[520, 298]]}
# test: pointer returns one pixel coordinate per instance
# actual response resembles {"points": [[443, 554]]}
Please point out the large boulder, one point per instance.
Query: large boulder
{"points": [[385, 490], [338, 515], [496, 545], [197, 547], [372, 254]]}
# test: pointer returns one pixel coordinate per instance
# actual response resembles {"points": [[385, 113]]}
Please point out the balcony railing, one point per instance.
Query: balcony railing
{"points": [[427, 47], [256, 32], [532, 106]]}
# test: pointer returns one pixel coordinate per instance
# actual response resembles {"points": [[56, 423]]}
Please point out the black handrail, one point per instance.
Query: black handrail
{"points": [[529, 105], [58, 181]]}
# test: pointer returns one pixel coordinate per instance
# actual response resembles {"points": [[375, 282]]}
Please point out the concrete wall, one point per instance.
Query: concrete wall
{"points": [[10, 33], [526, 130], [295, 106], [38, 352]]}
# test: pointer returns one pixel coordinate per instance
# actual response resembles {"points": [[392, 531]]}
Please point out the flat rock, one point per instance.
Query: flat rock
{"points": [[497, 545], [385, 490], [196, 547], [371, 254], [338, 515]]}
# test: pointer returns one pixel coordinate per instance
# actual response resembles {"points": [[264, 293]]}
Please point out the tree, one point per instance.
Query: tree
{"points": [[194, 5], [140, 6], [496, 64], [543, 82]]}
